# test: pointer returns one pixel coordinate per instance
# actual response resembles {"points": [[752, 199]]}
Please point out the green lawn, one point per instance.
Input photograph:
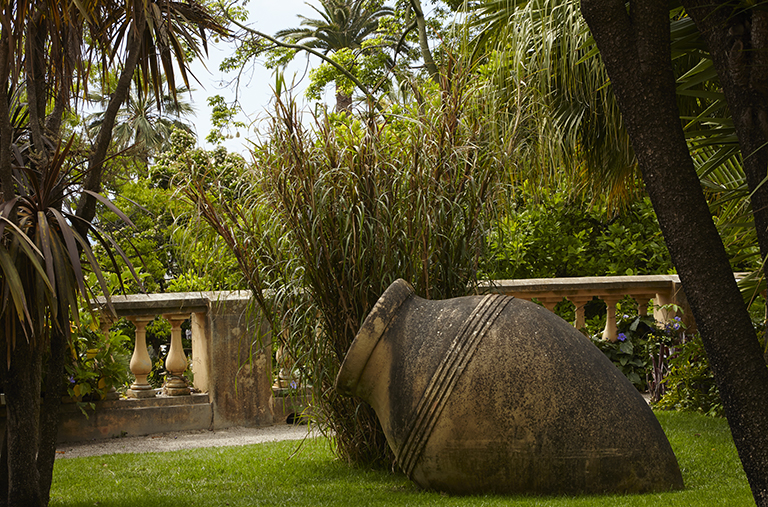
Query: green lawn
{"points": [[278, 474]]}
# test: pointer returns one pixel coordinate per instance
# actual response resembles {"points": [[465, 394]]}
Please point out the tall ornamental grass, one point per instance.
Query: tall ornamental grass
{"points": [[330, 214]]}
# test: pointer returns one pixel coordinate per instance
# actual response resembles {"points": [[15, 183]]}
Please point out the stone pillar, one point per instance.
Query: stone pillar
{"points": [[610, 333], [550, 302], [141, 364], [176, 362], [241, 363]]}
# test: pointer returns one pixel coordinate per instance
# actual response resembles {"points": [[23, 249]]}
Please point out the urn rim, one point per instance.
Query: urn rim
{"points": [[375, 325]]}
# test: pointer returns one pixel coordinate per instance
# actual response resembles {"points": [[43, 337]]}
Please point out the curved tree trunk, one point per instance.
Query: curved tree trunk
{"points": [[635, 48], [86, 206]]}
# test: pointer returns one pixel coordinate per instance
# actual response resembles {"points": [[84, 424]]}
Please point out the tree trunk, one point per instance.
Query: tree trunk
{"points": [[36, 39], [738, 46], [6, 174], [49, 408], [635, 48], [22, 397], [426, 54], [343, 102], [86, 206]]}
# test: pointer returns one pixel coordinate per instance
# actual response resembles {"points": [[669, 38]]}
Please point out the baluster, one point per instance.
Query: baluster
{"points": [[662, 315], [285, 371], [549, 303], [579, 302], [141, 364], [176, 362], [609, 333], [642, 304]]}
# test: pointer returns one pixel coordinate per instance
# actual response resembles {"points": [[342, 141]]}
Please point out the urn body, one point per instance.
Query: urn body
{"points": [[492, 394]]}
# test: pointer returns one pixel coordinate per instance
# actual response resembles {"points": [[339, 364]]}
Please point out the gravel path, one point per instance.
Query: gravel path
{"points": [[178, 440]]}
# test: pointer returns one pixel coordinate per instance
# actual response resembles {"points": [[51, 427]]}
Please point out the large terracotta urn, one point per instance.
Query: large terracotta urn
{"points": [[493, 394]]}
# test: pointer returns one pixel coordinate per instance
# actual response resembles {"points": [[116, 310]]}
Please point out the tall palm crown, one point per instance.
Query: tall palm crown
{"points": [[343, 24]]}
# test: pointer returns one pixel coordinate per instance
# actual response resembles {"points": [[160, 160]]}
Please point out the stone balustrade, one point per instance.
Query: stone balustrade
{"points": [[231, 358], [659, 289]]}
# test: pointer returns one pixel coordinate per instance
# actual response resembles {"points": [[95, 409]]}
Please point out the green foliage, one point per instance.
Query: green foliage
{"points": [[98, 362], [557, 237], [171, 249], [631, 352], [222, 120], [643, 347], [148, 246], [327, 218], [690, 384], [326, 73]]}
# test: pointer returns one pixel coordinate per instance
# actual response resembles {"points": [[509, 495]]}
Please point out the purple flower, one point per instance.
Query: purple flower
{"points": [[71, 379], [621, 337]]}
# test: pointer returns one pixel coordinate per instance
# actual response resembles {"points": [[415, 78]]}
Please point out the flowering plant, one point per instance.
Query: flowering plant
{"points": [[642, 347], [628, 351]]}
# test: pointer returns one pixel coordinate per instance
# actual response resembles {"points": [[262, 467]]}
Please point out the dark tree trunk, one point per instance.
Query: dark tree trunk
{"points": [[738, 46], [634, 45], [49, 409], [86, 206], [36, 84], [6, 176], [22, 396], [343, 102]]}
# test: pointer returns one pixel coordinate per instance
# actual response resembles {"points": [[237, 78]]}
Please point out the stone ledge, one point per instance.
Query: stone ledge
{"points": [[171, 302], [641, 284], [117, 418]]}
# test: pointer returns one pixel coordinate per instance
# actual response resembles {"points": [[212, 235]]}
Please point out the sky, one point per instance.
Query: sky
{"points": [[255, 91]]}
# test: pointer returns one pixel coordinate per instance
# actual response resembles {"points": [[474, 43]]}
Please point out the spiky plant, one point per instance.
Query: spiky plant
{"points": [[43, 275], [329, 216]]}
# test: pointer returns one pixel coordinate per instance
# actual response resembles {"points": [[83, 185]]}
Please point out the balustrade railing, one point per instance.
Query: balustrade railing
{"points": [[230, 355], [660, 290]]}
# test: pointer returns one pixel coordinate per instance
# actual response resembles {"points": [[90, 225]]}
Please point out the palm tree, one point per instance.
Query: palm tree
{"points": [[548, 49], [143, 124], [721, 76], [343, 24], [543, 53]]}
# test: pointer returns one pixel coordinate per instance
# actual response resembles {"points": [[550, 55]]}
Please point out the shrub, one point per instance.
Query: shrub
{"points": [[690, 384], [98, 362], [554, 236]]}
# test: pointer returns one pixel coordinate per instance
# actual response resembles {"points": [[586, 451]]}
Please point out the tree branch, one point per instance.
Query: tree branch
{"points": [[426, 54], [311, 51]]}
